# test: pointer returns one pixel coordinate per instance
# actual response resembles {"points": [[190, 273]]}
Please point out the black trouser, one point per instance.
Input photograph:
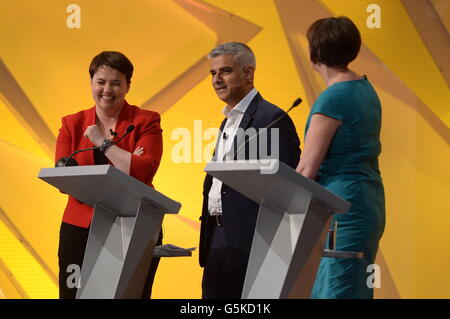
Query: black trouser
{"points": [[72, 244], [225, 268]]}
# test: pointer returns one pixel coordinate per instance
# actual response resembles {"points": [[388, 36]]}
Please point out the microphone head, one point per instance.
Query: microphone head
{"points": [[297, 102], [62, 162], [130, 128]]}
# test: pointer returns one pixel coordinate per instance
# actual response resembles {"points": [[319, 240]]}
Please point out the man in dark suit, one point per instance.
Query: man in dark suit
{"points": [[228, 218]]}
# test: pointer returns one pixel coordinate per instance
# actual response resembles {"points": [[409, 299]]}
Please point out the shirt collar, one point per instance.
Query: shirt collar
{"points": [[242, 106]]}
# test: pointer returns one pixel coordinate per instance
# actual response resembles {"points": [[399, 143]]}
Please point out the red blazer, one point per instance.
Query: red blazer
{"points": [[147, 133]]}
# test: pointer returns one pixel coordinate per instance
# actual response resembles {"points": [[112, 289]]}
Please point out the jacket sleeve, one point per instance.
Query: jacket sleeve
{"points": [[144, 167], [63, 141]]}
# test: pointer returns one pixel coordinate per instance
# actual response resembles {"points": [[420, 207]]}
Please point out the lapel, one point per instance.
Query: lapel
{"points": [[124, 120], [246, 122], [219, 136], [250, 112]]}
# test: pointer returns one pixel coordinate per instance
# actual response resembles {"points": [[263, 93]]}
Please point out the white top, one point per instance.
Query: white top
{"points": [[225, 142]]}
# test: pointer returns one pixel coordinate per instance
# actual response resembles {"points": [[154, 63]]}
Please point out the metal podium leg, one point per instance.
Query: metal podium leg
{"points": [[138, 259], [307, 254], [286, 251], [110, 269], [274, 241], [104, 255]]}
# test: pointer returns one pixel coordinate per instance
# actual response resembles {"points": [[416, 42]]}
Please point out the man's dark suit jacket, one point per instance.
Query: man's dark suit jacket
{"points": [[239, 212]]}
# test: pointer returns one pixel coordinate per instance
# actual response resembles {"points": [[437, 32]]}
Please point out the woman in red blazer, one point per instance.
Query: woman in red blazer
{"points": [[137, 155]]}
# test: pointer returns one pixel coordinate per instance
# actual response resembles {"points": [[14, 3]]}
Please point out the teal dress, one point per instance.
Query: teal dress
{"points": [[350, 170]]}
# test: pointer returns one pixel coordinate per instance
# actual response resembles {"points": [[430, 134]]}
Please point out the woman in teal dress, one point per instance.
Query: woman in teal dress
{"points": [[342, 144]]}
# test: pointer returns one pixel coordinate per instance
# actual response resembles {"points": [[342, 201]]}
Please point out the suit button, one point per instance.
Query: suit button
{"points": [[224, 192]]}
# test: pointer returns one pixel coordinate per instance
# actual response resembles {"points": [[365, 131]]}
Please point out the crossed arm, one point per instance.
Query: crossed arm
{"points": [[120, 158], [141, 164]]}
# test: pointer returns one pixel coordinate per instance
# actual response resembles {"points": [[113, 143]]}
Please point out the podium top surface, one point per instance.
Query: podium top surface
{"points": [[108, 186], [276, 182]]}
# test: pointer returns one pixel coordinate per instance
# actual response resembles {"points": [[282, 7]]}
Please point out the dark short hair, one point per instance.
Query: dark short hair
{"points": [[334, 42], [114, 60]]}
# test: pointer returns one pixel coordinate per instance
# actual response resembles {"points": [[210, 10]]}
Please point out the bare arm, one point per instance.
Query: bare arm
{"points": [[320, 133], [120, 158]]}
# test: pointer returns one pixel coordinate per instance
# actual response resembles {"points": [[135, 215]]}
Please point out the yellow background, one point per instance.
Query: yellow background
{"points": [[167, 42]]}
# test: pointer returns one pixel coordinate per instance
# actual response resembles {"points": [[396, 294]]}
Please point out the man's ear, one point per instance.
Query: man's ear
{"points": [[128, 86], [249, 72]]}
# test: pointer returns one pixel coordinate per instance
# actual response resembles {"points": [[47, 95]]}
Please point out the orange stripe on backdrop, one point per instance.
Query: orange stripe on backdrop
{"points": [[9, 287], [226, 27], [24, 271]]}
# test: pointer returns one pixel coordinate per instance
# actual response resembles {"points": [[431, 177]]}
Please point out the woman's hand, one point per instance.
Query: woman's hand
{"points": [[94, 134]]}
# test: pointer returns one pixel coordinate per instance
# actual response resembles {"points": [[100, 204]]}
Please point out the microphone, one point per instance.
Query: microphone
{"points": [[128, 131], [70, 161], [112, 132], [296, 103], [230, 86]]}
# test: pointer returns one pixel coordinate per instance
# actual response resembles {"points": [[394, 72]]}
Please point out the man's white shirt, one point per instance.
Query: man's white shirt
{"points": [[225, 142]]}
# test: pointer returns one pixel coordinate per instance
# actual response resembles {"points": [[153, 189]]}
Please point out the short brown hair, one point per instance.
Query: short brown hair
{"points": [[114, 60], [334, 42]]}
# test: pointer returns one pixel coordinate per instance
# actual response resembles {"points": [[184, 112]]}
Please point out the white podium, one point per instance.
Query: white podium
{"points": [[292, 225], [127, 220]]}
